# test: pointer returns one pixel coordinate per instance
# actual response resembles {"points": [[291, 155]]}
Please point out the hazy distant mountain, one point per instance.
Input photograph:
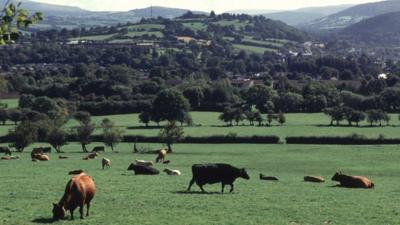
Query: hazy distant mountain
{"points": [[305, 15], [383, 29], [253, 11], [354, 15], [59, 16]]}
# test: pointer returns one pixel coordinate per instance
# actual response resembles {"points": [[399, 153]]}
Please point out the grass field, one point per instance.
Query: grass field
{"points": [[253, 49], [28, 189], [94, 37], [297, 125]]}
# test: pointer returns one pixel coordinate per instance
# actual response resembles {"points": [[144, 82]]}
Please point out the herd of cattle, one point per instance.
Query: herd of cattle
{"points": [[81, 188]]}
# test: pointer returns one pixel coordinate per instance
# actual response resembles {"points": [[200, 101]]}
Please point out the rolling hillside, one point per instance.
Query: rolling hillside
{"points": [[59, 16], [305, 15], [353, 15], [382, 29]]}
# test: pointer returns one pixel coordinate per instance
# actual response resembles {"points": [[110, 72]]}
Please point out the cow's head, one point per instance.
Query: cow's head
{"points": [[337, 176], [243, 174], [131, 167], [58, 212]]}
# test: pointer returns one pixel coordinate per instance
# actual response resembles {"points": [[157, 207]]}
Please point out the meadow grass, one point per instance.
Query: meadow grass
{"points": [[11, 102], [298, 124], [28, 189], [253, 49]]}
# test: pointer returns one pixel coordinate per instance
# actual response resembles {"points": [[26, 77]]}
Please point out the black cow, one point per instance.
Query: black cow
{"points": [[47, 150], [98, 149], [216, 173], [5, 150], [143, 170]]}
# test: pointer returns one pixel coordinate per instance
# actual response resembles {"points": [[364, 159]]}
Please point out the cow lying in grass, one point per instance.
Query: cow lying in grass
{"points": [[172, 172], [314, 179], [143, 170], [263, 177], [143, 162], [216, 173], [79, 191], [352, 181]]}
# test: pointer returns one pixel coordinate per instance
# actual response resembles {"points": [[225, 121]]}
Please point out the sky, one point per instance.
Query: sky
{"points": [[203, 5]]}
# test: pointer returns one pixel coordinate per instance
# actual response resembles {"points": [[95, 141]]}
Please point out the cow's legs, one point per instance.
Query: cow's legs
{"points": [[87, 209], [81, 210], [231, 187], [201, 187], [72, 213], [190, 184], [223, 186]]}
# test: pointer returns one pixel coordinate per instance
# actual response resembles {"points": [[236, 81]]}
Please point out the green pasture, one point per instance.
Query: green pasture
{"points": [[11, 103], [253, 49], [236, 23], [146, 26], [195, 25], [133, 34], [28, 189], [207, 123], [94, 37]]}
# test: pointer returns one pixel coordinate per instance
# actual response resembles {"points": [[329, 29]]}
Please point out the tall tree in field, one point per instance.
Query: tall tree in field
{"points": [[111, 135], [169, 105], [57, 138], [171, 133], [23, 135], [83, 134]]}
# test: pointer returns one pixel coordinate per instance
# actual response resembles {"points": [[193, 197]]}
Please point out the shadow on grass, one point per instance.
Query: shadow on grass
{"points": [[144, 128], [196, 193], [43, 220], [353, 126]]}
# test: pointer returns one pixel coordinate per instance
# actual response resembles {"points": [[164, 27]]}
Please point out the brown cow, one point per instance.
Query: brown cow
{"points": [[79, 191], [36, 152], [105, 162], [314, 179], [75, 172], [42, 157], [352, 181], [161, 155]]}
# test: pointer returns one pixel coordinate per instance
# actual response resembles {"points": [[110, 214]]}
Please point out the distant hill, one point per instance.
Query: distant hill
{"points": [[383, 29], [253, 11], [353, 15], [59, 16], [305, 15]]}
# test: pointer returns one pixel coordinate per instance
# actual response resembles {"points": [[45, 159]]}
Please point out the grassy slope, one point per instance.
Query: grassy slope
{"points": [[28, 189]]}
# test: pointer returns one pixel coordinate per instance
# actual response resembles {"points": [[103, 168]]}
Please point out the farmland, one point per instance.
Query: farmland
{"points": [[123, 198]]}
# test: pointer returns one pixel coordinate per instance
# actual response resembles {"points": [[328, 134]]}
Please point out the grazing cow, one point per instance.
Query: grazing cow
{"points": [[352, 181], [263, 177], [105, 162], [314, 179], [75, 172], [167, 162], [143, 162], [79, 191], [161, 155], [216, 173], [98, 149], [62, 157], [172, 172], [43, 157], [5, 150], [143, 170]]}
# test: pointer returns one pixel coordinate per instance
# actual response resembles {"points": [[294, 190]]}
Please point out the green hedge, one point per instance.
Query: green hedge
{"points": [[350, 140]]}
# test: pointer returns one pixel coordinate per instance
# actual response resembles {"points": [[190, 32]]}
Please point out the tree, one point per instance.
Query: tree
{"points": [[15, 115], [227, 115], [237, 115], [258, 117], [195, 96], [169, 104], [270, 118], [111, 135], [3, 116], [250, 116], [352, 115], [171, 134], [259, 95], [335, 113], [12, 19], [57, 138], [281, 118], [83, 133], [375, 116], [82, 117], [23, 135], [145, 117], [386, 118]]}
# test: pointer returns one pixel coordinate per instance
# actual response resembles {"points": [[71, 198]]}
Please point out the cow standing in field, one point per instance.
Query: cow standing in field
{"points": [[79, 191], [161, 155], [105, 162], [216, 173], [352, 181]]}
